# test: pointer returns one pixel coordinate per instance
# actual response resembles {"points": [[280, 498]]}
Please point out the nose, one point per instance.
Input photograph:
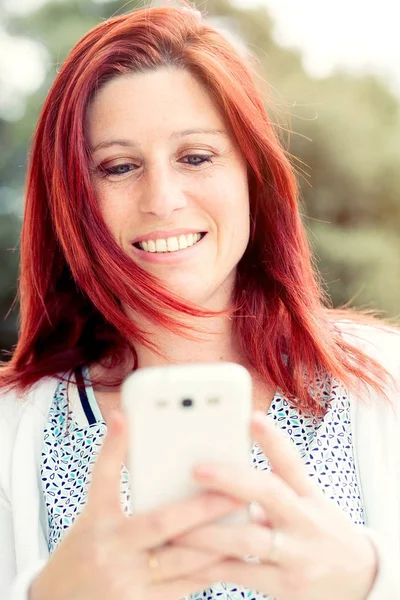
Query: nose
{"points": [[162, 192]]}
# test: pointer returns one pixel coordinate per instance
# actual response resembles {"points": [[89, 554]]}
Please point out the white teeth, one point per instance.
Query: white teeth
{"points": [[182, 242], [171, 244], [161, 245]]}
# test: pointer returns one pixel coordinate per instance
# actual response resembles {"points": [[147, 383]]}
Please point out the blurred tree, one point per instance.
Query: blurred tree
{"points": [[344, 128], [9, 229]]}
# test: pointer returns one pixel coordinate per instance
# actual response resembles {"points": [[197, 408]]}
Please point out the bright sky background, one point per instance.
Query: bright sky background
{"points": [[358, 35]]}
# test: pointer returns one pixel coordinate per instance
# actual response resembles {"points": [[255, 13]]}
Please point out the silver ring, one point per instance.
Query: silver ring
{"points": [[277, 539]]}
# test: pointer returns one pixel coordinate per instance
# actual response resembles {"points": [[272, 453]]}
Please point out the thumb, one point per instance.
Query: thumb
{"points": [[104, 492]]}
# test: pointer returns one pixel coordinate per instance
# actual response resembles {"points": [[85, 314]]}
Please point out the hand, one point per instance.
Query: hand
{"points": [[107, 555], [318, 553]]}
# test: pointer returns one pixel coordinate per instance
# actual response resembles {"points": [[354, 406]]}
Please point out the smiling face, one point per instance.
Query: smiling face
{"points": [[170, 181]]}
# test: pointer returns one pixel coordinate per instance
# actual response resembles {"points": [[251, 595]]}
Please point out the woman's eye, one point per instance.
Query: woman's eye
{"points": [[193, 160], [121, 169], [198, 159]]}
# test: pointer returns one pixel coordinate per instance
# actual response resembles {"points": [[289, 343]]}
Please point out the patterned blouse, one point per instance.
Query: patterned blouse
{"points": [[75, 431]]}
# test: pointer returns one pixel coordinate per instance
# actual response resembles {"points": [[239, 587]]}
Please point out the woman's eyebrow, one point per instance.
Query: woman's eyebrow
{"points": [[175, 135]]}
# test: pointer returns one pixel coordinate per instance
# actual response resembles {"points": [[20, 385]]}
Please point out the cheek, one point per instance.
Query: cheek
{"points": [[229, 193], [113, 209], [233, 210]]}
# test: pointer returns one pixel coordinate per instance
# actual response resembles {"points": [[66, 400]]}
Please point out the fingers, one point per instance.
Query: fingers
{"points": [[104, 492], [277, 492], [285, 461], [174, 562], [278, 500], [159, 526], [239, 541]]}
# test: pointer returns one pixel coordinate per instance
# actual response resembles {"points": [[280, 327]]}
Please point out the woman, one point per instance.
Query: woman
{"points": [[162, 225]]}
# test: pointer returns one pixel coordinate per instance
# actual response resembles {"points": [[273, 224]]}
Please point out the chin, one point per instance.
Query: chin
{"points": [[189, 294], [189, 287], [206, 292]]}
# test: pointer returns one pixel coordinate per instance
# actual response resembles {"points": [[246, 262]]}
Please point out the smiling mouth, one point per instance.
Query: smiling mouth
{"points": [[171, 244]]}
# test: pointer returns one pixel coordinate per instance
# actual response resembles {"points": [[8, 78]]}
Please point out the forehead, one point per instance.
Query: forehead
{"points": [[155, 103]]}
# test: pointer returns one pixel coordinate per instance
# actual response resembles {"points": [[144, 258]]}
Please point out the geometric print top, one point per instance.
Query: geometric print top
{"points": [[75, 431]]}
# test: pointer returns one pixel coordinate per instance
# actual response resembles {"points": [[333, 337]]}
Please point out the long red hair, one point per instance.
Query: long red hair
{"points": [[74, 277]]}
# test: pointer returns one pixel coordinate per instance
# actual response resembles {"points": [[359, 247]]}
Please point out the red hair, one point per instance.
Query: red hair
{"points": [[74, 277]]}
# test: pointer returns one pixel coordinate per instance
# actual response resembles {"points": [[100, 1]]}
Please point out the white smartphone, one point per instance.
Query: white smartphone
{"points": [[180, 416]]}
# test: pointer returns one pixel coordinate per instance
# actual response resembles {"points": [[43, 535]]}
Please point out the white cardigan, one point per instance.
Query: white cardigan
{"points": [[376, 437]]}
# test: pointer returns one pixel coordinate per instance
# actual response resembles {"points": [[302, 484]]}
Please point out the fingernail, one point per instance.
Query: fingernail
{"points": [[258, 421], [257, 513], [204, 472]]}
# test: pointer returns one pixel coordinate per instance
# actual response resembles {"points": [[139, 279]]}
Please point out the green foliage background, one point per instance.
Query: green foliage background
{"points": [[344, 142]]}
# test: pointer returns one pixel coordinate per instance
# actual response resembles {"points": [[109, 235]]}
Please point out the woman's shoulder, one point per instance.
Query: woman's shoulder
{"points": [[373, 410], [379, 340], [22, 417], [14, 403], [15, 407]]}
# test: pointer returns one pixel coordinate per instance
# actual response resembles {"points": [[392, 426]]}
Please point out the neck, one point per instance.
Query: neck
{"points": [[217, 343], [213, 340], [220, 344]]}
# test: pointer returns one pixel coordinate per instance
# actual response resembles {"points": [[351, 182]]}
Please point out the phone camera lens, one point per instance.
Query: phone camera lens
{"points": [[187, 402]]}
